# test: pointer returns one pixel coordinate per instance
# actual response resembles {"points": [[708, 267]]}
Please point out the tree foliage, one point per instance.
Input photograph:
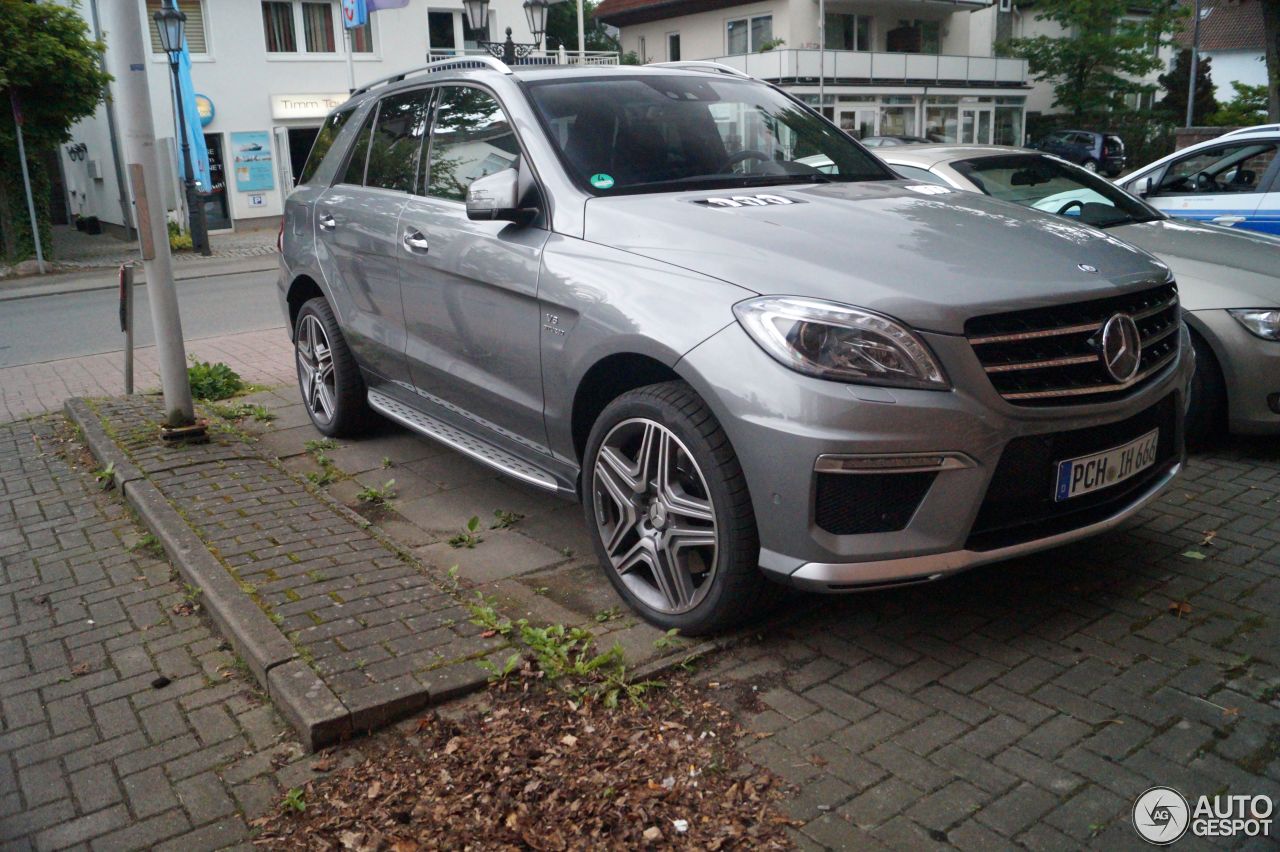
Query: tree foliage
{"points": [[1247, 108], [1174, 83], [1103, 55], [562, 27], [50, 62]]}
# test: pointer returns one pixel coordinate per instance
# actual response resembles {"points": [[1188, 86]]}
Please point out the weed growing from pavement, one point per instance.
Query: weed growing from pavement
{"points": [[469, 537], [241, 410], [149, 545], [105, 475], [213, 381], [387, 463], [316, 445], [377, 496], [293, 801], [502, 519]]}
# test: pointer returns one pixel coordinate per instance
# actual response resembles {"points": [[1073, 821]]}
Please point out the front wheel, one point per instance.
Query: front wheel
{"points": [[332, 388], [667, 506]]}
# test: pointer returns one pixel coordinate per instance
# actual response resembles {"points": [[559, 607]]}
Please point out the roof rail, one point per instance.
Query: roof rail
{"points": [[703, 65], [458, 63], [1257, 128]]}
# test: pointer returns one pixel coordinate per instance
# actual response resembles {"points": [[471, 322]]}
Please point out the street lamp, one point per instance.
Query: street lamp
{"points": [[1201, 15], [535, 12], [170, 23]]}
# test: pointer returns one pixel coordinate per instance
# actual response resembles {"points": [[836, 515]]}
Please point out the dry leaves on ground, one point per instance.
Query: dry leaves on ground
{"points": [[539, 771]]}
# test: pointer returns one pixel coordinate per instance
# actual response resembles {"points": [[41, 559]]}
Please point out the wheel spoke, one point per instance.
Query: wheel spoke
{"points": [[641, 553], [680, 537], [624, 503], [674, 581], [674, 498]]}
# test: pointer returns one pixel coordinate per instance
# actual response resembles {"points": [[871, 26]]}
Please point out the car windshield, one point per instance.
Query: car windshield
{"points": [[1047, 183], [664, 133]]}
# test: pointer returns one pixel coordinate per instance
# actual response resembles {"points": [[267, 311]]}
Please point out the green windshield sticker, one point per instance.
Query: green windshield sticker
{"points": [[602, 181]]}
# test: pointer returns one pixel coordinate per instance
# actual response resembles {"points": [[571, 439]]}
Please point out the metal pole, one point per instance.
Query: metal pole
{"points": [[195, 206], [822, 59], [126, 322], [113, 131], [26, 183], [351, 65], [582, 37], [1195, 62], [131, 60]]}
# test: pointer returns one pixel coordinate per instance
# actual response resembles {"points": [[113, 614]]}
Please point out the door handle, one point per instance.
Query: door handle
{"points": [[1227, 220], [326, 222], [415, 241]]}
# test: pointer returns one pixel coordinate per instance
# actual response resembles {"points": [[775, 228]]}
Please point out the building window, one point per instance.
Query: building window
{"points": [[195, 24], [644, 51], [915, 37], [749, 35], [362, 38], [673, 47], [848, 32], [282, 19]]}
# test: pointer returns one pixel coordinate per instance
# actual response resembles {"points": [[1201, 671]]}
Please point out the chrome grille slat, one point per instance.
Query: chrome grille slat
{"points": [[1047, 356]]}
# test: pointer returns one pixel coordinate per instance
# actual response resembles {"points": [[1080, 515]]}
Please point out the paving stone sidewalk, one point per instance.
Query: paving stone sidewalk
{"points": [[384, 633], [91, 754], [1028, 704]]}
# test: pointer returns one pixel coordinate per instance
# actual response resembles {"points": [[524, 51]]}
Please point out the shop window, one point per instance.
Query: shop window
{"points": [[195, 29], [848, 32], [749, 35]]}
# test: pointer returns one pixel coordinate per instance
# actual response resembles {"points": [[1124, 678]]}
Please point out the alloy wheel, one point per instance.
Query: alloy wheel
{"points": [[315, 369], [655, 516]]}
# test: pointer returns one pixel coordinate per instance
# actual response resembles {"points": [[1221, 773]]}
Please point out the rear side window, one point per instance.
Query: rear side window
{"points": [[397, 141], [354, 173], [324, 141]]}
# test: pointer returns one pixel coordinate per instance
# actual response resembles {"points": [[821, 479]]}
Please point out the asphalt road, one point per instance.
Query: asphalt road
{"points": [[46, 328]]}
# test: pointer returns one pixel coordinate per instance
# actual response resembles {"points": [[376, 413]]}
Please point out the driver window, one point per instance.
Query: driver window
{"points": [[1224, 169], [470, 138]]}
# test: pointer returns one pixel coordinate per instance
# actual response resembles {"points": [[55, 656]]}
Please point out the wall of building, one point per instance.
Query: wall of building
{"points": [[703, 35], [1243, 66], [240, 78]]}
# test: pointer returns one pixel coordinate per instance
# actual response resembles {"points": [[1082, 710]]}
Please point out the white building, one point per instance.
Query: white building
{"points": [[1232, 34], [892, 67], [270, 71]]}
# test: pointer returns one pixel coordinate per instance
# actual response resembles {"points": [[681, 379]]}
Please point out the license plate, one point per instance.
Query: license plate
{"points": [[1110, 467]]}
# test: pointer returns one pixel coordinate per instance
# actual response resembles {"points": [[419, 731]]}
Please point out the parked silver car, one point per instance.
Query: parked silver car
{"points": [[623, 286], [1228, 279]]}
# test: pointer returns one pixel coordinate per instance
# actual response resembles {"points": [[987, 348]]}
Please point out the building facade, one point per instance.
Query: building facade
{"points": [[267, 73], [1232, 34], [890, 67]]}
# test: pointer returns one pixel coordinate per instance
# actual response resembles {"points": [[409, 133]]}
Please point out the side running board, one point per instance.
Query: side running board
{"points": [[464, 442]]}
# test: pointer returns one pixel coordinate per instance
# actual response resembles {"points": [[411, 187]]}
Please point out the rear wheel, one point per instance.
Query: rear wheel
{"points": [[667, 505], [1091, 166], [332, 388], [1207, 407]]}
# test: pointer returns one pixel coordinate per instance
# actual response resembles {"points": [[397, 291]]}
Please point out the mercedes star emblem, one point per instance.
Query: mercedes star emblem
{"points": [[1120, 347]]}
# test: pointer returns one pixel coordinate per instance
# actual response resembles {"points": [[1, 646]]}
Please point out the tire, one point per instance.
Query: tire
{"points": [[1207, 407], [1090, 165], [713, 580], [337, 403]]}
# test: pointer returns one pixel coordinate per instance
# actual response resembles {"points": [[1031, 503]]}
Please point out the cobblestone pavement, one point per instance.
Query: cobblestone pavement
{"points": [[1028, 704], [92, 755], [385, 634], [261, 357], [74, 249]]}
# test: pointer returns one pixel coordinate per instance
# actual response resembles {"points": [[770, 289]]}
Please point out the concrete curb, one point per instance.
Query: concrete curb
{"points": [[309, 705], [78, 281]]}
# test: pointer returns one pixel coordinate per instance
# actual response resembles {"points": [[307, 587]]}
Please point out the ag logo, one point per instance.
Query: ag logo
{"points": [[1161, 815]]}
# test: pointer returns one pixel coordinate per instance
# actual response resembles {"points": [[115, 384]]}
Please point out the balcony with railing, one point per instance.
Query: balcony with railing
{"points": [[856, 66], [553, 57]]}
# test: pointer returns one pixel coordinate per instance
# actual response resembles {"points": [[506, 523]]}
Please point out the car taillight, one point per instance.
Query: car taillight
{"points": [[280, 237]]}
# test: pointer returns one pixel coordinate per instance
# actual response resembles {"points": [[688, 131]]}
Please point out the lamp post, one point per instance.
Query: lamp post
{"points": [[1201, 15], [171, 22], [535, 12]]}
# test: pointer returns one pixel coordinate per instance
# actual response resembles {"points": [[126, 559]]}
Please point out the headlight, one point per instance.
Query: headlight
{"points": [[836, 342], [1263, 322]]}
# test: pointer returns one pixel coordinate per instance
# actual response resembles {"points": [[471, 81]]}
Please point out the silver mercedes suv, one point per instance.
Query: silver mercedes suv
{"points": [[629, 286]]}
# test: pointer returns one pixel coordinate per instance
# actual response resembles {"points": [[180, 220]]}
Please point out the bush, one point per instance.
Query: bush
{"points": [[213, 381], [179, 240], [1148, 134]]}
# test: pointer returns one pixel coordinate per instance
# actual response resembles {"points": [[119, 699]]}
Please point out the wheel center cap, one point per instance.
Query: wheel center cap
{"points": [[657, 516]]}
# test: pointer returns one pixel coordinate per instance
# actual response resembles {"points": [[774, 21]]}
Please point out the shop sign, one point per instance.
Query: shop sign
{"points": [[306, 105], [252, 161]]}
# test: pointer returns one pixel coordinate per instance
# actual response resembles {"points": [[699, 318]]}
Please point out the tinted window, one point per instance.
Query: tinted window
{"points": [[397, 141], [470, 138], [1046, 183], [668, 133], [324, 141], [354, 172], [1230, 168]]}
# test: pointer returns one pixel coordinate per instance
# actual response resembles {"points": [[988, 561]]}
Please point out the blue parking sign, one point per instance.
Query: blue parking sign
{"points": [[354, 14]]}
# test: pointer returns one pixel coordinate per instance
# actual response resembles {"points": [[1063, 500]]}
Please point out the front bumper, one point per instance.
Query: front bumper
{"points": [[1250, 371], [781, 422]]}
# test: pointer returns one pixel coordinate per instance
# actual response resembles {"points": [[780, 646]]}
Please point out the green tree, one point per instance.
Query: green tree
{"points": [[50, 63], [1174, 83], [562, 27], [1104, 54], [1247, 108]]}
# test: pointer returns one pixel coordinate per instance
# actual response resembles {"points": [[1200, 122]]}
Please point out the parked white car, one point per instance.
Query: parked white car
{"points": [[1228, 279]]}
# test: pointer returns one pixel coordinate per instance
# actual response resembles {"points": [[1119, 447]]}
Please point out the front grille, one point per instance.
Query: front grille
{"points": [[1050, 356], [855, 503], [1019, 505]]}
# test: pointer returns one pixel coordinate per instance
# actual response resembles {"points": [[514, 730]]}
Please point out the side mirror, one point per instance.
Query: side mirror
{"points": [[1141, 188], [496, 197]]}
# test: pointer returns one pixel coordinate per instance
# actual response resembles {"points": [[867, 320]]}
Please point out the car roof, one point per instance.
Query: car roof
{"points": [[927, 156], [1257, 128]]}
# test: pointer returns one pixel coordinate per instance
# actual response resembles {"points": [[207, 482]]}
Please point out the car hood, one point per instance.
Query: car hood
{"points": [[1215, 267], [929, 256]]}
